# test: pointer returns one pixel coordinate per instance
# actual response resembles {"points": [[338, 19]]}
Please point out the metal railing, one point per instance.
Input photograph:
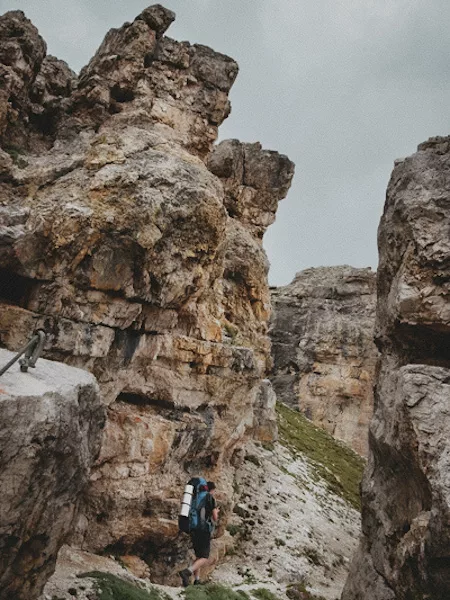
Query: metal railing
{"points": [[32, 351]]}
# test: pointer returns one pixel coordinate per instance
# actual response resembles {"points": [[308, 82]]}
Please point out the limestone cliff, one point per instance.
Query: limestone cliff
{"points": [[323, 350], [50, 432], [142, 264], [294, 529], [405, 549]]}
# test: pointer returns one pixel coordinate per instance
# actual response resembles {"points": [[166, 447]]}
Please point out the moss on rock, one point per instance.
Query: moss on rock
{"points": [[214, 591], [339, 466], [111, 587], [264, 594]]}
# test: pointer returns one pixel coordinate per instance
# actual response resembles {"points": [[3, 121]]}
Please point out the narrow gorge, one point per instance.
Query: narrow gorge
{"points": [[133, 240]]}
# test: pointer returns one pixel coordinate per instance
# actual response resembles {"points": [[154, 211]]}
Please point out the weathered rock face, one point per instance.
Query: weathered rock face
{"points": [[405, 551], [121, 244], [265, 421], [50, 433], [33, 86], [323, 351], [254, 180]]}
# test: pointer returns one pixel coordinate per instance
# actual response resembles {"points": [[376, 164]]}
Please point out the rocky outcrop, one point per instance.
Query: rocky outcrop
{"points": [[255, 181], [289, 533], [265, 423], [50, 433], [323, 350], [405, 551], [119, 242], [33, 88]]}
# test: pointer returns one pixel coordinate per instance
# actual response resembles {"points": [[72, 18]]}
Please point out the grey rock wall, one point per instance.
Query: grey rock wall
{"points": [[323, 350], [50, 432], [405, 549]]}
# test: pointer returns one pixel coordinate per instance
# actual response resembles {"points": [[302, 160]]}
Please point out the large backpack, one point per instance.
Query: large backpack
{"points": [[193, 507]]}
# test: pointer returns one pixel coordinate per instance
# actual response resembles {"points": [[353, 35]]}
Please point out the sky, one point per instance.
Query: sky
{"points": [[343, 87]]}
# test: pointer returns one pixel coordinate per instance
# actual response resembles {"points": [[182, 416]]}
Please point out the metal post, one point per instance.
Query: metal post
{"points": [[32, 351]]}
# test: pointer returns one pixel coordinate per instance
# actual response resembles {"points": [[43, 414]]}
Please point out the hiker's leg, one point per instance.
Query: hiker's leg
{"points": [[194, 569], [199, 563], [202, 549]]}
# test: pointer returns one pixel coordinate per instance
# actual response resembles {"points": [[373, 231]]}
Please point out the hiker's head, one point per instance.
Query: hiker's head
{"points": [[211, 487]]}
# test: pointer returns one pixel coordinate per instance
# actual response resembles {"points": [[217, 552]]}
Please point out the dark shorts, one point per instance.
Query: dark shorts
{"points": [[201, 540]]}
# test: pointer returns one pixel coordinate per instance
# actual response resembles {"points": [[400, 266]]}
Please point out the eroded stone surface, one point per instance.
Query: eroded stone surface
{"points": [[291, 527], [254, 180], [50, 432], [119, 242], [406, 488], [33, 87], [324, 356]]}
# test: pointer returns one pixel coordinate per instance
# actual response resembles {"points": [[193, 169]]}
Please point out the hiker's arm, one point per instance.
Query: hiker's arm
{"points": [[215, 514]]}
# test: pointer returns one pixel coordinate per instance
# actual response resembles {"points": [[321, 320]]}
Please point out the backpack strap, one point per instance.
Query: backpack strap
{"points": [[202, 516]]}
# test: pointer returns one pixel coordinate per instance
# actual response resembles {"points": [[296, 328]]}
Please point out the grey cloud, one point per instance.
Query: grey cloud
{"points": [[342, 87]]}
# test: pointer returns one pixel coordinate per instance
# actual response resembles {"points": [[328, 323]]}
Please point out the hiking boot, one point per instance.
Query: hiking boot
{"points": [[185, 575], [198, 582]]}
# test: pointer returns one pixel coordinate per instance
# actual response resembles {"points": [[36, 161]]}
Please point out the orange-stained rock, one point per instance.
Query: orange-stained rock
{"points": [[119, 241], [324, 354], [136, 565]]}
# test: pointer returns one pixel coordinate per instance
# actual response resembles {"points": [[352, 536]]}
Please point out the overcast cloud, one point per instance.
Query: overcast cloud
{"points": [[343, 87]]}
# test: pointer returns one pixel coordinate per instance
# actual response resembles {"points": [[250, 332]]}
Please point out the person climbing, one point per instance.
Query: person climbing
{"points": [[201, 534]]}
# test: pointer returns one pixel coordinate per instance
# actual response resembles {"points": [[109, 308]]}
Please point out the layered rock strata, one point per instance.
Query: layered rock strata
{"points": [[141, 264], [405, 549], [323, 351], [50, 433]]}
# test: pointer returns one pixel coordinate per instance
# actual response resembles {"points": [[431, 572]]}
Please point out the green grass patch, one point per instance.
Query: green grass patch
{"points": [[234, 529], [214, 591], [110, 587], [231, 331], [313, 556], [264, 594], [333, 461], [16, 153], [253, 459], [298, 590]]}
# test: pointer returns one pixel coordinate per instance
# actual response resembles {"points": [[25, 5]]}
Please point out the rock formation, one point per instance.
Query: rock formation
{"points": [[323, 350], [142, 264], [50, 433], [405, 549]]}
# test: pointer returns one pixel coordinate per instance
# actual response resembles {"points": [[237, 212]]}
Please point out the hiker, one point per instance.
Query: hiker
{"points": [[201, 536]]}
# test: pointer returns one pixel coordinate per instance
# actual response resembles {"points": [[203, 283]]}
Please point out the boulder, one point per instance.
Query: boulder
{"points": [[51, 420]]}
